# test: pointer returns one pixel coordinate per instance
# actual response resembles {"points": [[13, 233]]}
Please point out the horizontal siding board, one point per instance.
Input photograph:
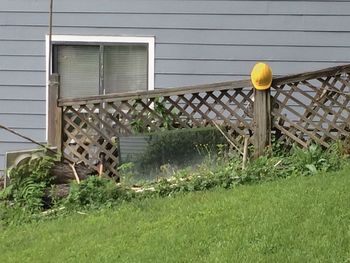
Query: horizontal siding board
{"points": [[22, 48], [176, 80], [23, 92], [28, 107], [233, 67], [252, 38], [180, 36], [189, 21], [212, 52], [34, 134], [27, 121], [19, 78], [23, 33], [36, 63], [176, 6]]}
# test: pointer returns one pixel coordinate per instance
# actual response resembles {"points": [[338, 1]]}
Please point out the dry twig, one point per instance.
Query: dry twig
{"points": [[226, 137], [74, 172]]}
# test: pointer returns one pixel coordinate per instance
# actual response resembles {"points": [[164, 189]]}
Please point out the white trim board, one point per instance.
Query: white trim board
{"points": [[76, 39]]}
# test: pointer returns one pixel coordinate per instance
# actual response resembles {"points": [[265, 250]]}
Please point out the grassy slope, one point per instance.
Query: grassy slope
{"points": [[295, 220]]}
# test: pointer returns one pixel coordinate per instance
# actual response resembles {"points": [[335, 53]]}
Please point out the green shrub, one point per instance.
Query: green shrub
{"points": [[96, 192], [263, 168], [314, 159], [28, 183]]}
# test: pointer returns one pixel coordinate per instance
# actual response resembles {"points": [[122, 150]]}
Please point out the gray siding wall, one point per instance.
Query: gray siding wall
{"points": [[197, 42]]}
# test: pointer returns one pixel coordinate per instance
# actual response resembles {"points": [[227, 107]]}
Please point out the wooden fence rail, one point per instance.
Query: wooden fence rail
{"points": [[304, 108]]}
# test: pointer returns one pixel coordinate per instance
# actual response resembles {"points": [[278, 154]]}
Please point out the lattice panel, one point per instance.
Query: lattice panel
{"points": [[313, 110], [308, 107], [93, 128]]}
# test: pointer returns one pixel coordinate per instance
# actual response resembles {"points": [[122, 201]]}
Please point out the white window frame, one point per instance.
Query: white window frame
{"points": [[76, 39]]}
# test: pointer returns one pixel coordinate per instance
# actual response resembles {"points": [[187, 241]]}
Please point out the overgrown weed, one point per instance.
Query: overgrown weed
{"points": [[25, 199]]}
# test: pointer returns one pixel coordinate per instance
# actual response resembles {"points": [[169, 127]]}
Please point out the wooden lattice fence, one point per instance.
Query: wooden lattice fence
{"points": [[305, 108], [313, 107], [93, 126]]}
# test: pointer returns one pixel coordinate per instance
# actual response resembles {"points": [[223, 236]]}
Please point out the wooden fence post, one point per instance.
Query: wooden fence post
{"points": [[262, 121], [54, 137]]}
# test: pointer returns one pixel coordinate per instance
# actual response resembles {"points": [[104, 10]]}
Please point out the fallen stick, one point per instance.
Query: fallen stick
{"points": [[277, 163], [226, 137], [245, 152], [100, 170], [81, 213], [47, 212], [35, 142], [74, 172]]}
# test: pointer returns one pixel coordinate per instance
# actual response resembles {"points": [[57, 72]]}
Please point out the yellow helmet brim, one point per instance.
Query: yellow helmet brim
{"points": [[261, 87]]}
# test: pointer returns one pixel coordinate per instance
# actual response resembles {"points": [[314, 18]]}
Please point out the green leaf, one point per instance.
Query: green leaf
{"points": [[312, 168]]}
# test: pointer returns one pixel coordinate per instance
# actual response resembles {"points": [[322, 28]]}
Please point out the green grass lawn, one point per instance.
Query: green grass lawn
{"points": [[304, 219]]}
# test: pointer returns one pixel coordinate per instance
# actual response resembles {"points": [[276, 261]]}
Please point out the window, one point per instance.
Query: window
{"points": [[101, 65]]}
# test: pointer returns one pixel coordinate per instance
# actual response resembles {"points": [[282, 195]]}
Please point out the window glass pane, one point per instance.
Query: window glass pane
{"points": [[125, 68], [78, 67]]}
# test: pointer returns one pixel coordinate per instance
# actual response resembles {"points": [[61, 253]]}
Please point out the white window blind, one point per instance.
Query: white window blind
{"points": [[120, 68], [78, 67], [125, 68]]}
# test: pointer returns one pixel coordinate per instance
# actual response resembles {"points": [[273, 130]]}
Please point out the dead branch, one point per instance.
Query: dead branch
{"points": [[226, 137]]}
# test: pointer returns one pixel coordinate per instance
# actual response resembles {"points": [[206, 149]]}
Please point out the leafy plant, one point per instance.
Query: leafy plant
{"points": [[314, 159], [263, 168], [160, 115], [167, 120], [279, 147], [137, 125], [126, 172], [28, 183], [96, 192]]}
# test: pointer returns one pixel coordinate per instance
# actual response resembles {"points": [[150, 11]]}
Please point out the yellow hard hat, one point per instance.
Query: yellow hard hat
{"points": [[261, 76]]}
